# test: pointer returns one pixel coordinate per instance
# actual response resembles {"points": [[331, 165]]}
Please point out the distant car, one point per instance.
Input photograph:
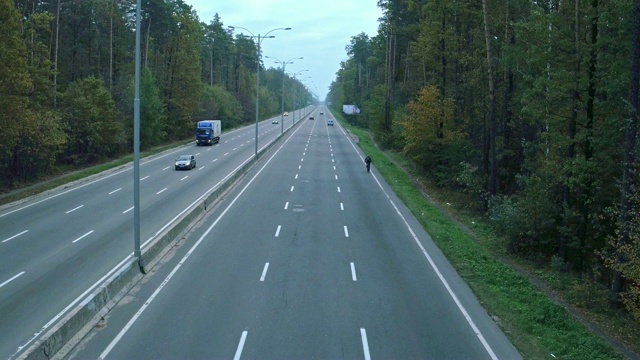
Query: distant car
{"points": [[330, 122], [274, 121], [286, 113], [185, 162], [311, 118], [321, 112]]}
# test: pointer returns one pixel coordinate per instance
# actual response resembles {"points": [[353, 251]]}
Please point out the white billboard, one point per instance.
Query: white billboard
{"points": [[351, 109]]}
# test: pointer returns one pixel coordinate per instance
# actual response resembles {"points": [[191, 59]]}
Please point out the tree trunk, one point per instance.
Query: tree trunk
{"points": [[493, 171], [55, 58], [563, 250], [631, 139]]}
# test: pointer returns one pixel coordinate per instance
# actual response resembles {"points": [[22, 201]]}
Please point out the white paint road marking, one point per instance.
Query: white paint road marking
{"points": [[365, 344], [214, 160], [166, 168], [243, 338], [10, 280], [292, 188], [299, 166], [346, 231], [296, 176], [336, 177], [200, 168], [184, 177], [264, 271], [129, 209], [161, 191], [115, 191], [74, 209], [15, 236], [122, 332], [286, 205], [341, 207], [338, 188], [146, 177], [82, 237], [353, 272], [278, 230], [435, 268], [225, 154]]}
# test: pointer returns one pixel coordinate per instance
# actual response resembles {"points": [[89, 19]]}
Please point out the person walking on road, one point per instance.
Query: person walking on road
{"points": [[367, 161]]}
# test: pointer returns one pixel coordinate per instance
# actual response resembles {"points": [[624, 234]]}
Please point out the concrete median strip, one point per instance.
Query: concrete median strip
{"points": [[66, 333]]}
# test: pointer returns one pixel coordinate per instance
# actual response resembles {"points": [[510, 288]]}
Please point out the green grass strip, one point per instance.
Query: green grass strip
{"points": [[538, 327]]}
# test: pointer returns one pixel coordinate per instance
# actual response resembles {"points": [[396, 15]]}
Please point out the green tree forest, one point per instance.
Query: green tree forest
{"points": [[67, 81], [529, 107]]}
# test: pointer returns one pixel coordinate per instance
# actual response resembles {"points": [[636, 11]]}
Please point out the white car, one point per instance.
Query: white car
{"points": [[330, 122]]}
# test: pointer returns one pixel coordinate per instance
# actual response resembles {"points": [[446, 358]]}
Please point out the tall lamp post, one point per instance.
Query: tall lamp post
{"points": [[259, 39], [284, 63], [136, 149], [294, 93]]}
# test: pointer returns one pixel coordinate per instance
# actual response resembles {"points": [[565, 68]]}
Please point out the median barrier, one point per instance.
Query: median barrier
{"points": [[66, 333]]}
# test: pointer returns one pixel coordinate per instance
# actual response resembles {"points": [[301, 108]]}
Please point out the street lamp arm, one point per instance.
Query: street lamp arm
{"points": [[270, 31], [240, 27]]}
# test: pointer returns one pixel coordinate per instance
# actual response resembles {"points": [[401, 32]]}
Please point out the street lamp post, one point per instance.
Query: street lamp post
{"points": [[294, 93], [283, 67], [258, 43]]}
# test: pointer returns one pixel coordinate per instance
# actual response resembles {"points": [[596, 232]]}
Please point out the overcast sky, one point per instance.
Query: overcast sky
{"points": [[320, 31]]}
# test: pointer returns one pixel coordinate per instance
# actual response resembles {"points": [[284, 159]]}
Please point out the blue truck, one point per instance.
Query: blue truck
{"points": [[208, 132]]}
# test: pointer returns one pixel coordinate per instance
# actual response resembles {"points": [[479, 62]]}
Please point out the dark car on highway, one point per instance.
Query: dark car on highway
{"points": [[185, 162]]}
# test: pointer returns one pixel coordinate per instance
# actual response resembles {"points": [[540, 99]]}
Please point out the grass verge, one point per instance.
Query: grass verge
{"points": [[537, 326]]}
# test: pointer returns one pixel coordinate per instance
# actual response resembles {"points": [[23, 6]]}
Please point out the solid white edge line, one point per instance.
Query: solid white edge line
{"points": [[10, 280], [119, 267], [124, 330], [99, 179], [365, 344], [346, 232], [14, 236], [353, 272], [82, 237], [243, 338], [278, 230], [462, 309], [264, 271]]}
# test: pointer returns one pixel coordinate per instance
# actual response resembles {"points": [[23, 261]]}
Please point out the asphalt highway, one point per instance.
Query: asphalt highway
{"points": [[309, 257], [55, 248]]}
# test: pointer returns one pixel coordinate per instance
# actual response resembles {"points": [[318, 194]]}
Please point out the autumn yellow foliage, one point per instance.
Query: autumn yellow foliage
{"points": [[428, 126]]}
